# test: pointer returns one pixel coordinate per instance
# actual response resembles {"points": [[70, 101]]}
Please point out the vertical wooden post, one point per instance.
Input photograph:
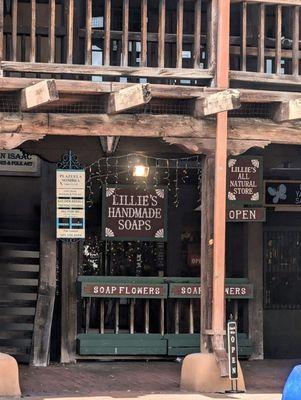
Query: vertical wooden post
{"points": [[107, 38], [296, 31], [143, 56], [69, 301], [197, 34], [261, 37], [1, 29], [243, 37], [278, 39], [125, 33], [161, 33], [207, 250], [51, 31], [255, 275], [88, 38], [14, 29], [180, 12], [47, 280], [70, 22], [32, 55]]}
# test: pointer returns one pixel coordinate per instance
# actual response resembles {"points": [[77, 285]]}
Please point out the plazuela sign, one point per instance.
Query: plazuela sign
{"points": [[134, 213]]}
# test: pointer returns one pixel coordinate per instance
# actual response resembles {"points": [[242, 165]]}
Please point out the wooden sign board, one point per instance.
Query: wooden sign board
{"points": [[70, 204], [17, 163], [126, 290], [134, 213], [245, 180], [282, 193], [232, 349], [246, 215], [187, 290]]}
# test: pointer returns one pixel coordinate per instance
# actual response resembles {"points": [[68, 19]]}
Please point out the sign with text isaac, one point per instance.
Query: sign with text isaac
{"points": [[16, 162], [244, 180], [70, 204], [134, 213]]}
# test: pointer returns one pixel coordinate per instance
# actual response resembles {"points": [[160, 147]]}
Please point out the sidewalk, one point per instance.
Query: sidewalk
{"points": [[143, 381]]}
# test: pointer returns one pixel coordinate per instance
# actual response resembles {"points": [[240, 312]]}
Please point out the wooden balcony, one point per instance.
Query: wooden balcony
{"points": [[108, 39], [265, 42]]}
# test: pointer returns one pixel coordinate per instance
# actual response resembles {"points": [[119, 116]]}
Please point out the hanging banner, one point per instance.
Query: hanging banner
{"points": [[285, 193], [70, 204], [245, 180], [18, 163], [134, 213]]}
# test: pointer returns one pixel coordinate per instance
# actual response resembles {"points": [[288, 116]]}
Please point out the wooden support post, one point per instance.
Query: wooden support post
{"points": [[47, 280], [125, 33], [180, 12], [70, 22], [146, 316], [132, 316], [51, 31], [206, 250], [130, 97], [162, 317], [191, 317], [69, 302], [102, 316], [288, 111], [32, 55], [1, 29], [278, 39], [161, 33], [243, 37], [88, 38], [41, 93], [296, 34], [14, 29], [117, 304], [107, 38], [177, 316], [143, 55], [261, 37], [216, 102], [197, 34]]}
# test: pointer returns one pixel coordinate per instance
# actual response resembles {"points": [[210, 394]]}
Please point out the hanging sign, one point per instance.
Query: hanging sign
{"points": [[70, 204], [232, 349], [134, 213], [286, 193], [232, 291], [124, 290], [16, 162], [246, 215], [244, 180]]}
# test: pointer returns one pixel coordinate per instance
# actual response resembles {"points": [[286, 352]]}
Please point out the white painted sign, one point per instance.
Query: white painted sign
{"points": [[70, 204], [15, 162]]}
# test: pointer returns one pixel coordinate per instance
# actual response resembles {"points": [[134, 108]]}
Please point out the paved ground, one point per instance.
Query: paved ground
{"points": [[143, 381]]}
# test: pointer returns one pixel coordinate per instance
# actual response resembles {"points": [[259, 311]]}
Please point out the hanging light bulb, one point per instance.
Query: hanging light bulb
{"points": [[140, 170]]}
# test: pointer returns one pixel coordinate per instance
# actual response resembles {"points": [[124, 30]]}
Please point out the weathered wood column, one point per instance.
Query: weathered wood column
{"points": [[69, 302], [255, 275], [207, 250], [47, 281]]}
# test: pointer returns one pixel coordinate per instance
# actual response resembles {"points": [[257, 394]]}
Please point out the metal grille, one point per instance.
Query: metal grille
{"points": [[282, 270]]}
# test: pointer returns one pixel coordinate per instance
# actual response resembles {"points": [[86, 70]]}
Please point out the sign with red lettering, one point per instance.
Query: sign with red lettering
{"points": [[132, 290], [134, 213], [187, 290], [245, 180], [246, 215]]}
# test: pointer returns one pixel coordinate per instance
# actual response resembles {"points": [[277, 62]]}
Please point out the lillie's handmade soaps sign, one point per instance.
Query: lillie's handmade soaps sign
{"points": [[133, 213], [245, 180]]}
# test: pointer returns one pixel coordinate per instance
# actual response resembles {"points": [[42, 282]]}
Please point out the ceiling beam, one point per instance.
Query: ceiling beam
{"points": [[39, 94], [288, 111], [216, 102], [128, 98]]}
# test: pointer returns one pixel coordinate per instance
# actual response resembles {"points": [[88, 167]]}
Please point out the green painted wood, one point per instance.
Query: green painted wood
{"points": [[121, 336], [182, 351], [125, 351], [183, 340]]}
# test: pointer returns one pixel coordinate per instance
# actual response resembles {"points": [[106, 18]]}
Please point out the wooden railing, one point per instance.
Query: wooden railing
{"points": [[144, 39], [265, 40]]}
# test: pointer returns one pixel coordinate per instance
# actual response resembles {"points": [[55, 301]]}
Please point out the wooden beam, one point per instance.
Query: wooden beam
{"points": [[107, 38], [288, 111], [51, 31], [47, 277], [39, 94], [10, 141], [216, 103], [143, 55], [70, 19], [284, 2], [127, 98], [32, 55]]}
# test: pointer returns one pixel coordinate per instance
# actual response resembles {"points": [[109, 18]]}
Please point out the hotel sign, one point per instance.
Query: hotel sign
{"points": [[244, 180], [125, 290], [70, 204], [246, 215], [134, 213]]}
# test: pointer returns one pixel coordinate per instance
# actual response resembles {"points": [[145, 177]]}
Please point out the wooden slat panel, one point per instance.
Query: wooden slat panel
{"points": [[32, 55], [261, 32], [197, 33], [1, 29], [88, 40], [19, 254], [51, 31], [132, 316], [278, 39], [161, 33], [14, 29], [143, 56], [125, 33], [296, 30], [180, 12], [243, 37], [70, 32], [107, 38]]}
